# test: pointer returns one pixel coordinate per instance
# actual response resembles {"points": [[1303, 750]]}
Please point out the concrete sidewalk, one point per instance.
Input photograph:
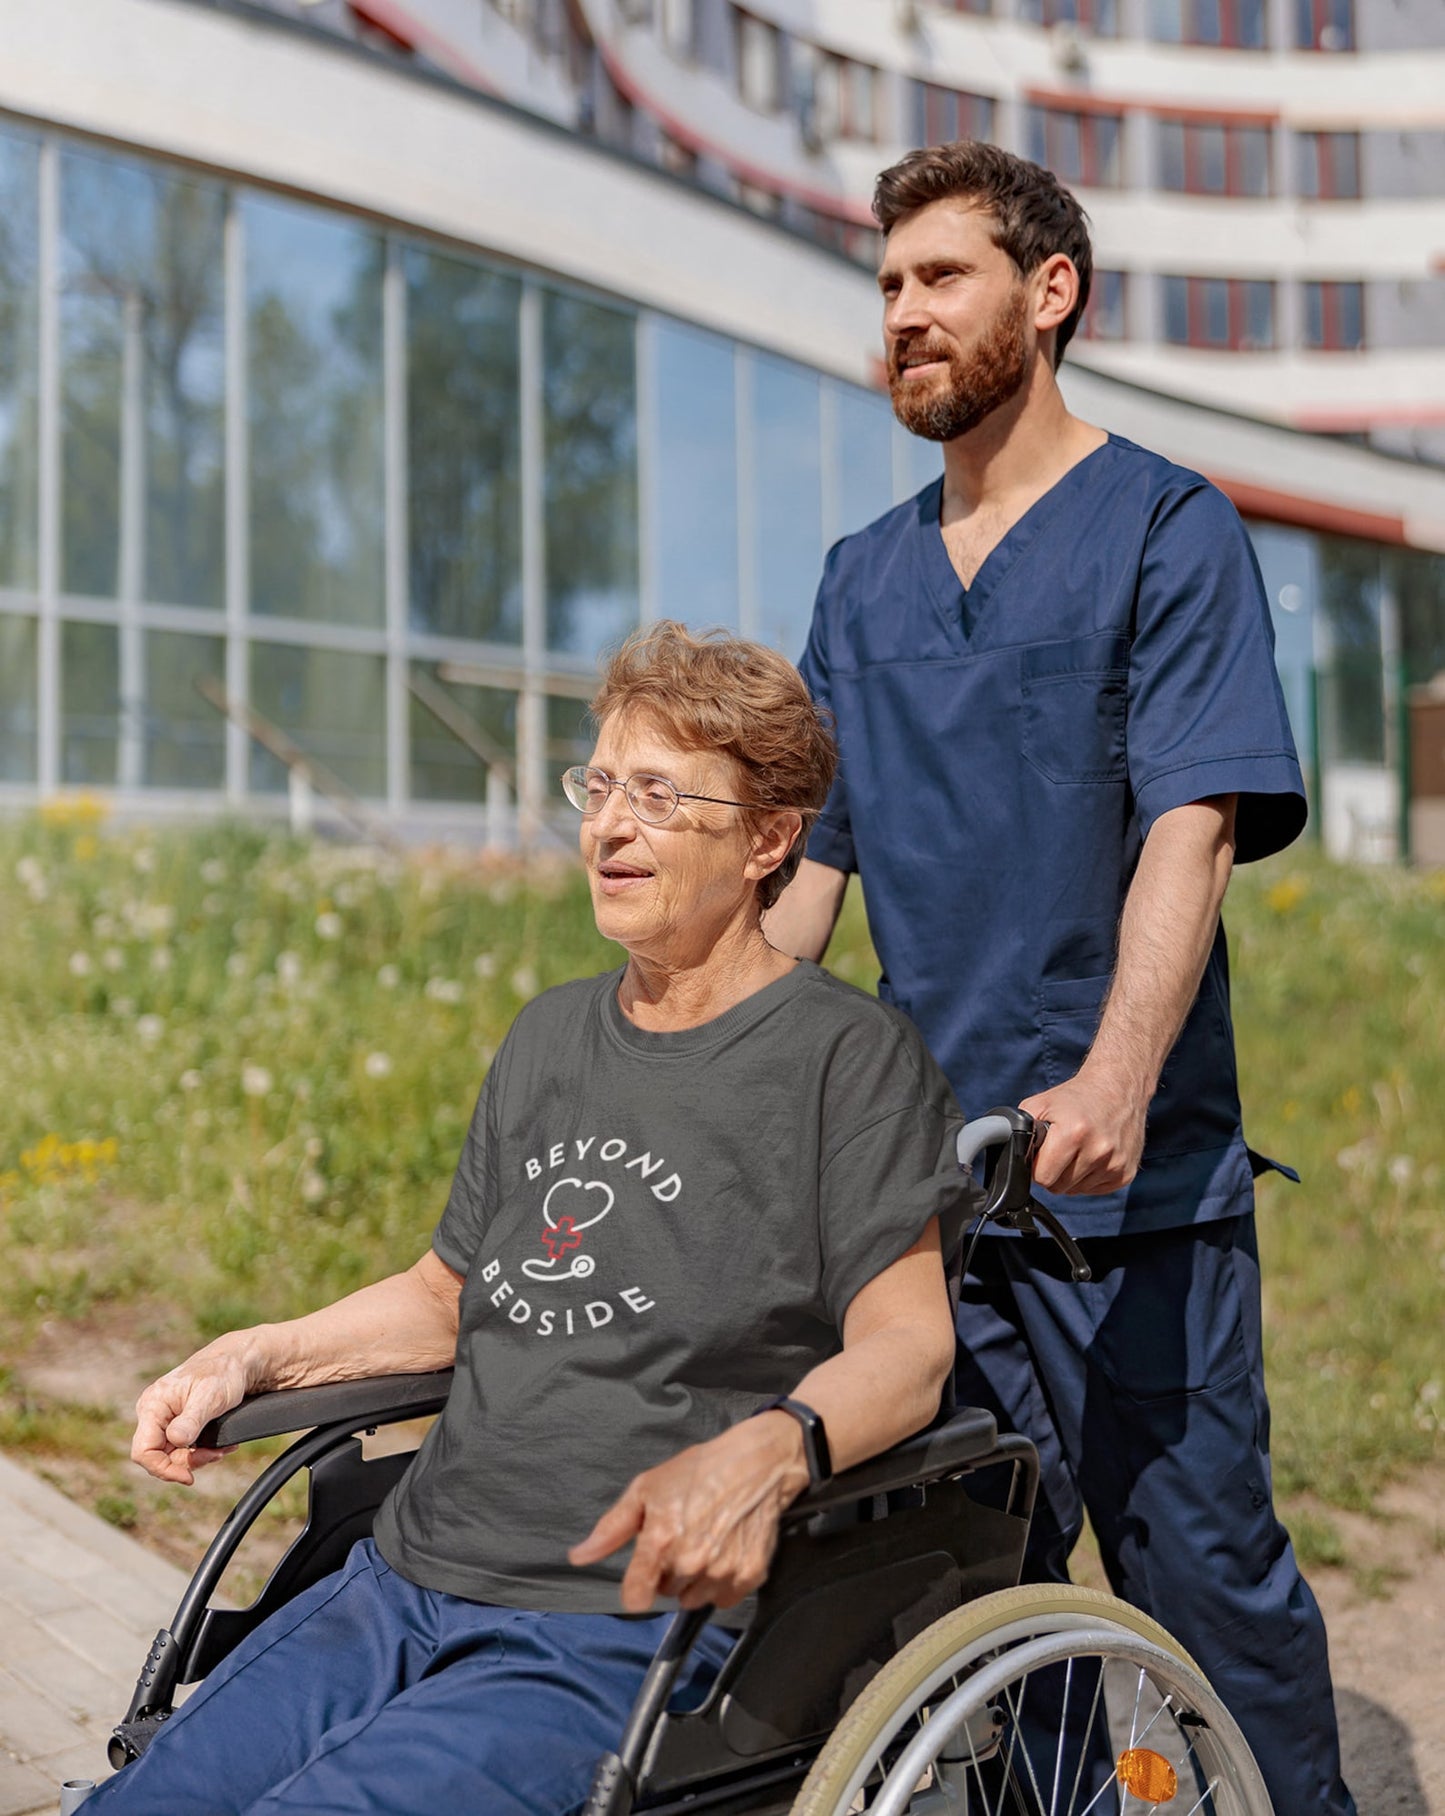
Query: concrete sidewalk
{"points": [[79, 1606]]}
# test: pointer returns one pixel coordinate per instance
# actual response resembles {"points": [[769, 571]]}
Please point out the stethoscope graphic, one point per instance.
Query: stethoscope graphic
{"points": [[565, 1233]]}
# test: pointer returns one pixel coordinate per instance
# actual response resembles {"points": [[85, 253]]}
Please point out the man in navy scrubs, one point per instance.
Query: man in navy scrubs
{"points": [[1060, 726]]}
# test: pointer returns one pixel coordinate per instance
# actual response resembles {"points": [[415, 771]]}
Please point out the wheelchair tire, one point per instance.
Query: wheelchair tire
{"points": [[963, 1680]]}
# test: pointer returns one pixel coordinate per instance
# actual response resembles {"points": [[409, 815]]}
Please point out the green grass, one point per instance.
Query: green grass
{"points": [[235, 1073]]}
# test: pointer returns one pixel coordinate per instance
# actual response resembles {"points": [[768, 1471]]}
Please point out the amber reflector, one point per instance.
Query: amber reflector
{"points": [[1147, 1776]]}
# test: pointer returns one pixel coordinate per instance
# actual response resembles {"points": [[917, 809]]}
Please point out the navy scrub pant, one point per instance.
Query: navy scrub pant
{"points": [[368, 1694], [1144, 1392]]}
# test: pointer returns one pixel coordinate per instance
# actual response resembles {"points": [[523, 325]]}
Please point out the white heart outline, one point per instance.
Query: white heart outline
{"points": [[585, 1185]]}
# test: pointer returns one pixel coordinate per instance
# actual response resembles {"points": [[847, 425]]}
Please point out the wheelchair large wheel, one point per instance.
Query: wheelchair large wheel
{"points": [[1044, 1700]]}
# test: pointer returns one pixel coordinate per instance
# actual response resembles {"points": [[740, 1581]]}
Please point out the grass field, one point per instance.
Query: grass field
{"points": [[235, 1073]]}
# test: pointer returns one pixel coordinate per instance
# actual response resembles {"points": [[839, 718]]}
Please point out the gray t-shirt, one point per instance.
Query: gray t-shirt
{"points": [[659, 1233]]}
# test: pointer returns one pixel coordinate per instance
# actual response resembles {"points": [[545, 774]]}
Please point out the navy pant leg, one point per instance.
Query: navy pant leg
{"points": [[368, 1694], [1148, 1388]]}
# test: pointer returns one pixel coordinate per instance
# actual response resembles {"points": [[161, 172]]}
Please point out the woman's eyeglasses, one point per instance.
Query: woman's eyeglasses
{"points": [[652, 798]]}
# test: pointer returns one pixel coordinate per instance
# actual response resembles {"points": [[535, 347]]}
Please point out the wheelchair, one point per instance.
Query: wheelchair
{"points": [[893, 1663]]}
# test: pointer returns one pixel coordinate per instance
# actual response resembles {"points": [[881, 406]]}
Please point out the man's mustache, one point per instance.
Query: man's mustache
{"points": [[903, 354]]}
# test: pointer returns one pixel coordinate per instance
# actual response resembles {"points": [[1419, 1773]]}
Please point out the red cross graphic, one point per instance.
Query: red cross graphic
{"points": [[558, 1241]]}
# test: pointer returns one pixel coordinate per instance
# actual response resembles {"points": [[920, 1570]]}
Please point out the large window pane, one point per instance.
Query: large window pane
{"points": [[865, 458], [1176, 310], [19, 361], [1352, 689], [332, 702], [1173, 173], [443, 767], [1254, 157], [89, 702], [1214, 311], [787, 500], [463, 449], [695, 508], [589, 396], [142, 318], [184, 737], [17, 699], [313, 297]]}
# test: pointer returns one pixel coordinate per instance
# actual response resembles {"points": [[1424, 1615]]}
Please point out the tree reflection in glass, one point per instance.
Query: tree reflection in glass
{"points": [[313, 292], [142, 307], [589, 397], [463, 449], [19, 360]]}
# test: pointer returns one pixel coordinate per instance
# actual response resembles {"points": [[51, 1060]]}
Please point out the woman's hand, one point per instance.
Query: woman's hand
{"points": [[171, 1413], [705, 1521]]}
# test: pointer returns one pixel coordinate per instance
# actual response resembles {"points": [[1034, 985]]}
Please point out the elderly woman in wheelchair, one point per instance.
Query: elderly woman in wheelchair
{"points": [[681, 1317], [690, 1261]]}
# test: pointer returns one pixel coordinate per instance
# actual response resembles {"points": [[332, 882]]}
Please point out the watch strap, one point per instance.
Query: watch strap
{"points": [[815, 1437]]}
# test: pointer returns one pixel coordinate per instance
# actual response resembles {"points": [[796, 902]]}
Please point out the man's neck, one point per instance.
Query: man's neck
{"points": [[1016, 454]]}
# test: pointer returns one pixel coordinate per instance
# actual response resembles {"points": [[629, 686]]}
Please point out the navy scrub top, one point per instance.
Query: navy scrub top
{"points": [[1005, 749]]}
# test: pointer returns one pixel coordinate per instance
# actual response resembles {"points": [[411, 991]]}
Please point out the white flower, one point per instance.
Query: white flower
{"points": [[313, 1186], [314, 1147], [303, 1090], [150, 1028], [525, 982], [1401, 1169], [378, 1065], [122, 1005], [444, 989], [255, 1080], [191, 1079], [485, 964], [38, 890], [213, 871], [113, 958], [389, 976], [156, 918], [144, 859], [328, 926], [236, 965], [29, 872], [161, 959], [288, 967], [80, 964]]}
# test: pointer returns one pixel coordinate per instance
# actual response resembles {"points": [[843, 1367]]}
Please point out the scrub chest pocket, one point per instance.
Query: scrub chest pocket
{"points": [[1075, 694]]}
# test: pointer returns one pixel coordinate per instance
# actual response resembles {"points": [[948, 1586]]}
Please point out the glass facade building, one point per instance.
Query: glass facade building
{"points": [[331, 470]]}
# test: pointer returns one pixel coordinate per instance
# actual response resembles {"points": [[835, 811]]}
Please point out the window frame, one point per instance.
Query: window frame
{"points": [[1191, 128], [1331, 293], [1052, 116], [1237, 295]]}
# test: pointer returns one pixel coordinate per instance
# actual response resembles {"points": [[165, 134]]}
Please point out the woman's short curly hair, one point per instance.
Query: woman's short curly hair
{"points": [[711, 690]]}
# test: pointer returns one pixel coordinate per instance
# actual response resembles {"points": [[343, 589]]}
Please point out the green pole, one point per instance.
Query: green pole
{"points": [[1402, 735]]}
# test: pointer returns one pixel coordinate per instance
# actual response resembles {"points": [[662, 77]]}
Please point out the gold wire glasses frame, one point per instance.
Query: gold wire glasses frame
{"points": [[652, 798]]}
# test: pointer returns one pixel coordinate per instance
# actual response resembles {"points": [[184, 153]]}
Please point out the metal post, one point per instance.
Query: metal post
{"points": [[532, 706], [238, 528], [48, 478], [394, 433], [132, 541]]}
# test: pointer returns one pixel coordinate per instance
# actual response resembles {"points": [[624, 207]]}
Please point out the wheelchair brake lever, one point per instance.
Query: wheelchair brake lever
{"points": [[1073, 1254], [1008, 1189]]}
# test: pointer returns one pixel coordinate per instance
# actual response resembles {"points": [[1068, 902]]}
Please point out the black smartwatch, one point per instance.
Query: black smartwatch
{"points": [[815, 1438]]}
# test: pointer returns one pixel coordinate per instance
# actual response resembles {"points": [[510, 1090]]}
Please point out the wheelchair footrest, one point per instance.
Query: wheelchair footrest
{"points": [[130, 1739]]}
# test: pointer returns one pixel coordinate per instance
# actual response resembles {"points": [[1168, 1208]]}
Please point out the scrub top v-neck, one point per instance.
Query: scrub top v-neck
{"points": [[963, 606], [1004, 751]]}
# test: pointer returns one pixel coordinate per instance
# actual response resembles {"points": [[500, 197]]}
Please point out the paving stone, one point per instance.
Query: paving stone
{"points": [[75, 1685], [26, 1589], [23, 1789], [87, 1761], [52, 1554], [31, 1725], [140, 1600], [99, 1639]]}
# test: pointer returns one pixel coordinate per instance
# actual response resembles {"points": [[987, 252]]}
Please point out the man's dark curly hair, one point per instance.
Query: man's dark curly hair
{"points": [[1033, 215]]}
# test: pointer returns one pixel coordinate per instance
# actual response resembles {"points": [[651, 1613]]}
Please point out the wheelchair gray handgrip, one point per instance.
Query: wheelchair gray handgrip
{"points": [[379, 1400], [983, 1132]]}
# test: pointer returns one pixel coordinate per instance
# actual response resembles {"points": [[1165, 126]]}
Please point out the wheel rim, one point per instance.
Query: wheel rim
{"points": [[1121, 1696]]}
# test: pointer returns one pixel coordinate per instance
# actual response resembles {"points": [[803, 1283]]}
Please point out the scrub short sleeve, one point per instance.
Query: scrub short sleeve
{"points": [[1206, 711], [473, 1196], [831, 840]]}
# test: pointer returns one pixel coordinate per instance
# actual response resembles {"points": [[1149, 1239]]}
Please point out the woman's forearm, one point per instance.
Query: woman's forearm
{"points": [[404, 1324], [879, 1391]]}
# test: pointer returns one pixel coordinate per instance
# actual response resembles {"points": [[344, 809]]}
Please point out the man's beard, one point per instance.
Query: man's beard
{"points": [[995, 370]]}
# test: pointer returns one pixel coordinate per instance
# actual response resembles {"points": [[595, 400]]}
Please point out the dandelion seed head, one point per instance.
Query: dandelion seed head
{"points": [[525, 982], [255, 1080], [485, 964], [190, 1079], [213, 871], [288, 967], [113, 958], [149, 1029], [328, 926], [443, 990], [378, 1065], [389, 976], [80, 965], [313, 1187]]}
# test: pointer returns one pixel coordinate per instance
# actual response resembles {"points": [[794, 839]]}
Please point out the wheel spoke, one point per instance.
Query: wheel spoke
{"points": [[1203, 1798], [1087, 1731], [1063, 1735]]}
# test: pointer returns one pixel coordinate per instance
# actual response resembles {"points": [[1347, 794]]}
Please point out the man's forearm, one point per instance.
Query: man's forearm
{"points": [[1165, 935], [1097, 1118], [801, 921]]}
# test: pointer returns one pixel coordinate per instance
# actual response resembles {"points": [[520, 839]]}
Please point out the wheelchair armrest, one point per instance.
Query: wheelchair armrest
{"points": [[378, 1400], [964, 1437]]}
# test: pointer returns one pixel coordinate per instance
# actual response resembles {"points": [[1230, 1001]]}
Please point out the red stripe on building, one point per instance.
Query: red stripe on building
{"points": [[1252, 500]]}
